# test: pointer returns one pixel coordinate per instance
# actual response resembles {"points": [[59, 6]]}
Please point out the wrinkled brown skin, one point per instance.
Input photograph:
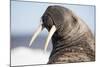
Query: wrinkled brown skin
{"points": [[73, 40]]}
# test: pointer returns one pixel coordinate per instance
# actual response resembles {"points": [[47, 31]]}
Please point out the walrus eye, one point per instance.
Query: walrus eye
{"points": [[44, 19]]}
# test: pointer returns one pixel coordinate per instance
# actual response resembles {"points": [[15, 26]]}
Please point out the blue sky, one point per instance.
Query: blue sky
{"points": [[25, 16]]}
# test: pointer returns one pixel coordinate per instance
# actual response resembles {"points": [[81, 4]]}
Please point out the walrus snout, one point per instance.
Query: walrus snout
{"points": [[52, 16], [47, 21]]}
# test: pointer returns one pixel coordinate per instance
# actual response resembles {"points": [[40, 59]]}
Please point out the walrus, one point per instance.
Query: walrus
{"points": [[72, 39]]}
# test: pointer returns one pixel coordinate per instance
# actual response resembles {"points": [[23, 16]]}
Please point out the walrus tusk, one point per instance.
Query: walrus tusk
{"points": [[40, 28], [53, 29]]}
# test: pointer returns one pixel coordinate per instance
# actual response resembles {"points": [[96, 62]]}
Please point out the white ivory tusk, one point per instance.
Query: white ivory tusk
{"points": [[53, 29], [40, 28]]}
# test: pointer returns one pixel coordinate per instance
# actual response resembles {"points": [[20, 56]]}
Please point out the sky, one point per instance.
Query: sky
{"points": [[25, 16]]}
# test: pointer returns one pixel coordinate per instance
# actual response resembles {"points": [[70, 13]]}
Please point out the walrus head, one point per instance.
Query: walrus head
{"points": [[59, 17], [56, 19], [61, 23]]}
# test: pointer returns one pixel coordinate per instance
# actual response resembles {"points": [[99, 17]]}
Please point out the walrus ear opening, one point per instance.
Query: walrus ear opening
{"points": [[74, 19]]}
